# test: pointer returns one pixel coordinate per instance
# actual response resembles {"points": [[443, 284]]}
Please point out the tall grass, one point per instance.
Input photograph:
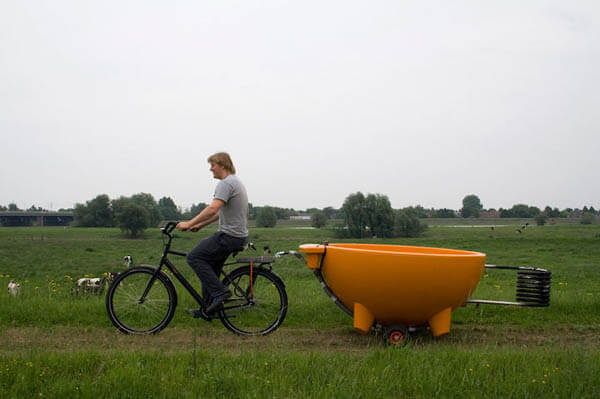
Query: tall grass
{"points": [[55, 344], [406, 372]]}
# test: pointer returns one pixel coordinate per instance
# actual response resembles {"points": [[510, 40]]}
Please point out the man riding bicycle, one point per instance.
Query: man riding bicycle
{"points": [[230, 207]]}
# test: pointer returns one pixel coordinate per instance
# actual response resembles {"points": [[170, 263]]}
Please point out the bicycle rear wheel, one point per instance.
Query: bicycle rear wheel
{"points": [[258, 304], [138, 305]]}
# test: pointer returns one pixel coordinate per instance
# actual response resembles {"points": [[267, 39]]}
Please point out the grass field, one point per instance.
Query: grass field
{"points": [[55, 345]]}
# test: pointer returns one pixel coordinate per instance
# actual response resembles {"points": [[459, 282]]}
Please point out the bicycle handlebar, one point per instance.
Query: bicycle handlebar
{"points": [[169, 227]]}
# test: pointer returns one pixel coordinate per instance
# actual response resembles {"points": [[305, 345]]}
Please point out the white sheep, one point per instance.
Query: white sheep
{"points": [[92, 285], [13, 288]]}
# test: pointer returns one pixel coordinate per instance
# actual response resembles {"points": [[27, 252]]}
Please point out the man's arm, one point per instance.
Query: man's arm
{"points": [[209, 215]]}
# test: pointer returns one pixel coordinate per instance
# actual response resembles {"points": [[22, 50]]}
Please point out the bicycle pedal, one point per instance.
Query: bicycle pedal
{"points": [[198, 314]]}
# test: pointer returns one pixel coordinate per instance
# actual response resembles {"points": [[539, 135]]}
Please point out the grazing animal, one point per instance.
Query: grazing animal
{"points": [[93, 286], [13, 288], [519, 231], [128, 261]]}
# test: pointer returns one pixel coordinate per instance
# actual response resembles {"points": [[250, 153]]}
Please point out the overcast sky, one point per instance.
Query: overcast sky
{"points": [[423, 101]]}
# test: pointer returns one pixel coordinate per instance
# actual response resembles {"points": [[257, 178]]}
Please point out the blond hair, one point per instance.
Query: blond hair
{"points": [[223, 160]]}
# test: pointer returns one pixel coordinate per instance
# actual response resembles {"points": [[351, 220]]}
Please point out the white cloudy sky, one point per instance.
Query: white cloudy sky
{"points": [[424, 101]]}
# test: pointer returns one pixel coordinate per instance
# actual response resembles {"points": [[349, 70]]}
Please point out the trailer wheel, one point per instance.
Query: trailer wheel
{"points": [[396, 336]]}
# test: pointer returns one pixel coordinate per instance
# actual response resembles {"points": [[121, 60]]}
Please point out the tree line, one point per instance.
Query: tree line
{"points": [[361, 215], [140, 211], [472, 207]]}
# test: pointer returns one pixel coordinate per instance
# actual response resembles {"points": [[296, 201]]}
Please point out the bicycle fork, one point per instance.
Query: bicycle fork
{"points": [[149, 285]]}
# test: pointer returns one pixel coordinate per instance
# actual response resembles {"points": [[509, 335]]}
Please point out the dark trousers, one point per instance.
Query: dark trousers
{"points": [[207, 259]]}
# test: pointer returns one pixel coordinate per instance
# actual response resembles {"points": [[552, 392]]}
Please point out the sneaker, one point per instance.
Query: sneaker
{"points": [[217, 302]]}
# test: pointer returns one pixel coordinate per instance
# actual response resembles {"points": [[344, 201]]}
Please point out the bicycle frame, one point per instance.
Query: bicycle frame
{"points": [[171, 267], [164, 261], [136, 307]]}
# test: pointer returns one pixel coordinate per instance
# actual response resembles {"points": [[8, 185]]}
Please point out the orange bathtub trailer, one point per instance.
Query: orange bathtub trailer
{"points": [[397, 285]]}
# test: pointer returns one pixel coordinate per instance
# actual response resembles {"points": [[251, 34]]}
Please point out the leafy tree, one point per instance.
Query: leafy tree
{"points": [[133, 217], [266, 217], [149, 203], [565, 213], [95, 213], [445, 213], [407, 224], [371, 215], [551, 213], [379, 215], [117, 205], [168, 209], [331, 212], [520, 211], [355, 217], [194, 210], [589, 210], [419, 211], [318, 219], [3, 208], [13, 207], [80, 216], [283, 213], [471, 206]]}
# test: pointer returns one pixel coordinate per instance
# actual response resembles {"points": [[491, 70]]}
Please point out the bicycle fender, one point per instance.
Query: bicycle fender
{"points": [[277, 277], [270, 271]]}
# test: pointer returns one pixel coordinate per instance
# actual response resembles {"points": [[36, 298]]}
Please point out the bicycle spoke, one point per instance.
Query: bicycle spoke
{"points": [[133, 314], [260, 306]]}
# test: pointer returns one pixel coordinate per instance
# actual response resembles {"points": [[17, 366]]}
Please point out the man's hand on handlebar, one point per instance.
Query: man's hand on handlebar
{"points": [[183, 226], [187, 226]]}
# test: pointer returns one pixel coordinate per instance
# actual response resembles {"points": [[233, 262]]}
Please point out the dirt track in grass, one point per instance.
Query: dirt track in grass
{"points": [[25, 339]]}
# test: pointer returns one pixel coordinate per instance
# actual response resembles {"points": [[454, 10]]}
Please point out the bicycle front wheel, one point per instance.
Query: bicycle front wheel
{"points": [[138, 302], [258, 304]]}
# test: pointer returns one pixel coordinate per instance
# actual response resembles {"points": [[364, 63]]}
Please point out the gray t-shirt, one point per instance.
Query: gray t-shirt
{"points": [[233, 216]]}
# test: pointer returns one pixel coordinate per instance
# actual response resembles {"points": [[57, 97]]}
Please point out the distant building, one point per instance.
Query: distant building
{"points": [[489, 214], [302, 216], [35, 218]]}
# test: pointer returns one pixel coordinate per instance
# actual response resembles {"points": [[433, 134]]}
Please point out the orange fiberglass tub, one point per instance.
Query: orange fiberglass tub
{"points": [[395, 285]]}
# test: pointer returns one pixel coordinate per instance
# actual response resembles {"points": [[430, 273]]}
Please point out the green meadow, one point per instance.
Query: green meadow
{"points": [[55, 344]]}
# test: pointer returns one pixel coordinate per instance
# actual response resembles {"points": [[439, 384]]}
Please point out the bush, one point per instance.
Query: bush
{"points": [[133, 218], [407, 224], [266, 217], [541, 219], [319, 219], [587, 218]]}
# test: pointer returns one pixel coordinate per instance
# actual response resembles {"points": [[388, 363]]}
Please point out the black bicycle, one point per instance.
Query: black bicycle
{"points": [[142, 300]]}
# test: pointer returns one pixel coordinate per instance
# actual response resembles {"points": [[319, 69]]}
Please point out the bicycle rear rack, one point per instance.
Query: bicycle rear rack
{"points": [[533, 287]]}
